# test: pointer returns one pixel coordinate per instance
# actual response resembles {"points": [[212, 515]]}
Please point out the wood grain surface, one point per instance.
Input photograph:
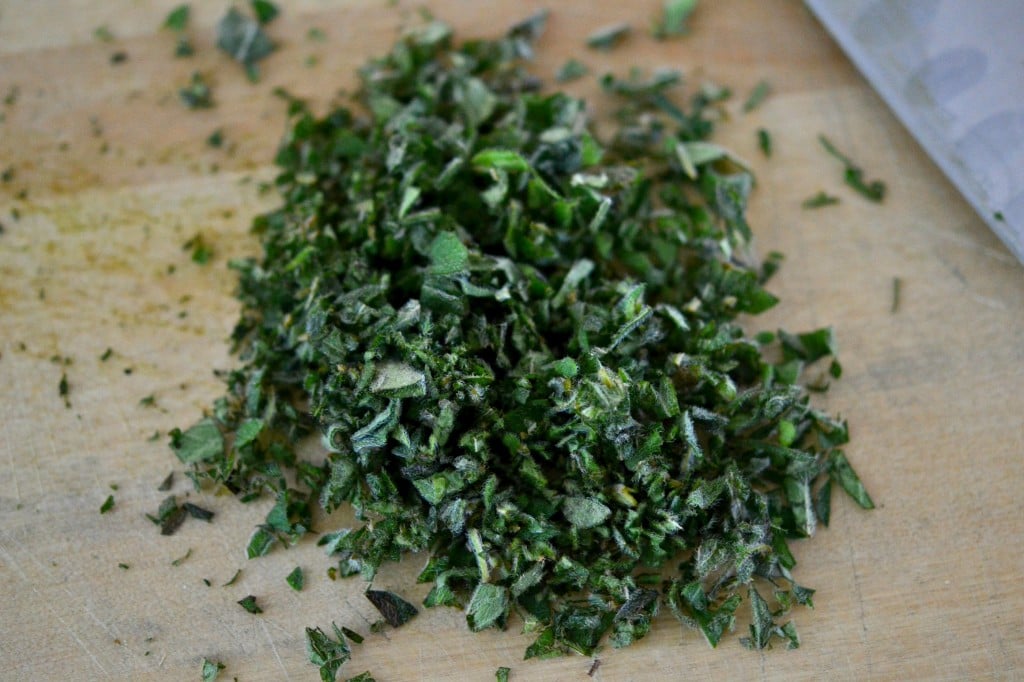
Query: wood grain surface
{"points": [[111, 175]]}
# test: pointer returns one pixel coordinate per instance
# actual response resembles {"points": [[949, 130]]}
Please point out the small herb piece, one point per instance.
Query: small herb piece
{"points": [[177, 18], [998, 215], [608, 37], [233, 579], [757, 96], [201, 251], [352, 635], [107, 505], [501, 674], [211, 669], [119, 57], [674, 18], [167, 483], [201, 442], [106, 354], [593, 667], [148, 401], [241, 37], [169, 516], [329, 654], [103, 34], [316, 35], [180, 560], [764, 141], [854, 175], [249, 604], [897, 285], [63, 389], [571, 70], [264, 10], [123, 567], [260, 543], [362, 677], [396, 611], [197, 512], [197, 94], [819, 200], [216, 138], [295, 579]]}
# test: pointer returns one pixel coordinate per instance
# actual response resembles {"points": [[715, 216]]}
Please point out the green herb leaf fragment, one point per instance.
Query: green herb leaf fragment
{"points": [[233, 579], [177, 18], [757, 96], [820, 200], [571, 70], [362, 677], [674, 18], [396, 611], [249, 604], [260, 543], [764, 142], [584, 512], [501, 674], [295, 579], [197, 94], [327, 653], [608, 37], [200, 443], [211, 669], [264, 10], [854, 175], [107, 505], [487, 607], [242, 38]]}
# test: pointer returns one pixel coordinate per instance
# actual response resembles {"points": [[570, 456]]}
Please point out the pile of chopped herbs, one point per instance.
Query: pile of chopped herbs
{"points": [[519, 345]]}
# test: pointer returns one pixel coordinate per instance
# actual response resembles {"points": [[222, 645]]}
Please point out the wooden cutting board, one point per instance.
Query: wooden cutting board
{"points": [[116, 176]]}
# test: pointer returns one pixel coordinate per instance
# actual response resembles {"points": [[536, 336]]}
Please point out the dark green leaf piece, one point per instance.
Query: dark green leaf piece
{"points": [[501, 674], [327, 653], [249, 604], [608, 37], [854, 174], [211, 669], [177, 18], [674, 18], [820, 200], [296, 580], [107, 505], [396, 611]]}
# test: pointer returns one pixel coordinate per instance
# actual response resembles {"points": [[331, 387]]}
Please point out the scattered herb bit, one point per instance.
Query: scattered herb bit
{"points": [[316, 35], [63, 389], [327, 653], [183, 47], [233, 579], [608, 37], [123, 567], [362, 677], [674, 18], [106, 354], [11, 98], [155, 436], [169, 516], [180, 560], [7, 175], [998, 215], [103, 34], [854, 175], [167, 483], [571, 70], [177, 18], [197, 512], [520, 342], [757, 96], [593, 667], [107, 505], [197, 94], [211, 669], [295, 579], [897, 285], [820, 200], [396, 611], [501, 674], [355, 637], [202, 252], [148, 401], [764, 141], [264, 10], [216, 138], [119, 57], [241, 37], [249, 604]]}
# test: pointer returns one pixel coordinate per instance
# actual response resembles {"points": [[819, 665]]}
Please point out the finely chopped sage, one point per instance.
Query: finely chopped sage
{"points": [[518, 342]]}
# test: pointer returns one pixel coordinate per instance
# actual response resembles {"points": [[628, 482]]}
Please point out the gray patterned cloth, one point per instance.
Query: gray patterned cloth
{"points": [[953, 72]]}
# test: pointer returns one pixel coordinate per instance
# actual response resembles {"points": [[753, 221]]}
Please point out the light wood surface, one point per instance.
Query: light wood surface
{"points": [[927, 586]]}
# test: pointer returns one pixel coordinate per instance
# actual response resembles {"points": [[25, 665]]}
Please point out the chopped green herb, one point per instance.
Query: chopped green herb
{"points": [[241, 37], [571, 70], [177, 18], [897, 285], [180, 560], [234, 578], [362, 677], [103, 34], [764, 141], [197, 512], [819, 200], [521, 344], [202, 252], [119, 57], [216, 138], [148, 401], [998, 215], [501, 674], [674, 18], [295, 579], [123, 567], [183, 47], [106, 354], [396, 611], [854, 175], [63, 389], [608, 37], [593, 667], [327, 653], [7, 175], [169, 516], [211, 669], [197, 94], [757, 96], [249, 604], [107, 505], [11, 98], [353, 636], [316, 35], [264, 10]]}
